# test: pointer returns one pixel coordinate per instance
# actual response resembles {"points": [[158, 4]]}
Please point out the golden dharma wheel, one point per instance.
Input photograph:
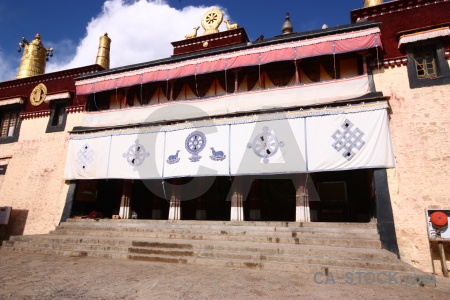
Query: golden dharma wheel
{"points": [[211, 21]]}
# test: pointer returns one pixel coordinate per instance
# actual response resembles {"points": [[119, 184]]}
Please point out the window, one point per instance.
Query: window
{"points": [[427, 65], [10, 122], [58, 117], [425, 62], [3, 168]]}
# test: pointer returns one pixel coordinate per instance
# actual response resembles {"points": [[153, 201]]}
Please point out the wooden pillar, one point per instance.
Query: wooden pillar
{"points": [[254, 202], [364, 55], [302, 212], [172, 83], [175, 203], [237, 201], [125, 98], [125, 201], [297, 76], [236, 81]]}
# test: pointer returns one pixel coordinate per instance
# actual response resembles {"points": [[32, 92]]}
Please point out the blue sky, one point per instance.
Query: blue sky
{"points": [[143, 30]]}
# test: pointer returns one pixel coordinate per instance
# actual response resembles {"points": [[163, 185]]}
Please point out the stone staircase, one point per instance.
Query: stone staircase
{"points": [[300, 247]]}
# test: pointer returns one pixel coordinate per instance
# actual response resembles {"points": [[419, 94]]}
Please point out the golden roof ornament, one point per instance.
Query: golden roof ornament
{"points": [[192, 35], [231, 26], [103, 51], [211, 21], [287, 26], [34, 57], [368, 3]]}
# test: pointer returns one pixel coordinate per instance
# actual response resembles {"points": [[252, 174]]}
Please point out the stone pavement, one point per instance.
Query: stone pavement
{"points": [[33, 276]]}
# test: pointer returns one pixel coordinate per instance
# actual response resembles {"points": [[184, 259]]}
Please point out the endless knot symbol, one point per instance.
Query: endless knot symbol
{"points": [[348, 140], [85, 156]]}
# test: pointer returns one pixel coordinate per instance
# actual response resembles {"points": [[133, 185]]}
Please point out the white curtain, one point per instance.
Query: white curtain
{"points": [[349, 141], [268, 147], [296, 142], [188, 152], [135, 156], [88, 158]]}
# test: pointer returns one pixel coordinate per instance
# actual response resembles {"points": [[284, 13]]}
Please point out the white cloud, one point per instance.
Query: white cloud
{"points": [[140, 31], [9, 65]]}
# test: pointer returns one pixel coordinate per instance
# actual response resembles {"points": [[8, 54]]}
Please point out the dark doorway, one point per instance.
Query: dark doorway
{"points": [[345, 196]]}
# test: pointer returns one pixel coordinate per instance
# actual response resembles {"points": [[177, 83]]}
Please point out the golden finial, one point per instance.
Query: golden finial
{"points": [[103, 51], [34, 57], [287, 26], [368, 3]]}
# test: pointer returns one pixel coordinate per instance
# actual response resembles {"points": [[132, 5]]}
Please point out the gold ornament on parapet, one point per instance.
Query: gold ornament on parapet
{"points": [[38, 94], [211, 21]]}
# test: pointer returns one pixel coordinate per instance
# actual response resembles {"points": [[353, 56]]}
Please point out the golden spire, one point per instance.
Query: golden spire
{"points": [[368, 3], [287, 25], [103, 51], [34, 57]]}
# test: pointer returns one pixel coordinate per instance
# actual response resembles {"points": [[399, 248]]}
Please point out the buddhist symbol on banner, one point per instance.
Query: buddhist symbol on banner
{"points": [[348, 140], [217, 155], [195, 143], [136, 154], [173, 159], [85, 156], [265, 144]]}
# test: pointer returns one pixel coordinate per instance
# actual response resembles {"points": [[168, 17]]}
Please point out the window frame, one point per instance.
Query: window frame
{"points": [[57, 106], [15, 137], [440, 64]]}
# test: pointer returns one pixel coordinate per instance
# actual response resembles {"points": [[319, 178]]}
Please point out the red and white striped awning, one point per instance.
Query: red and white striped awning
{"points": [[11, 101], [57, 96], [332, 44], [423, 35]]}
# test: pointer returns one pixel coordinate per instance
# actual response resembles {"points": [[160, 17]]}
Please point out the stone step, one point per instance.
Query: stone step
{"points": [[171, 246], [311, 239], [267, 249], [300, 247], [228, 259], [192, 257], [208, 232], [220, 228], [227, 224]]}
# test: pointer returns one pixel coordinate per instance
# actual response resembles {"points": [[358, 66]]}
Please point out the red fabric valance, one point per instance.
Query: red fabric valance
{"points": [[315, 49], [360, 43], [277, 55], [181, 71], [211, 66], [244, 60], [105, 85], [129, 80], [346, 42], [85, 89], [154, 76]]}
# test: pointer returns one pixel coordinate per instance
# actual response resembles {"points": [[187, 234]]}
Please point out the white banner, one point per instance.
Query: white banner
{"points": [[136, 156], [349, 141], [268, 147], [197, 152], [88, 158], [313, 141]]}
